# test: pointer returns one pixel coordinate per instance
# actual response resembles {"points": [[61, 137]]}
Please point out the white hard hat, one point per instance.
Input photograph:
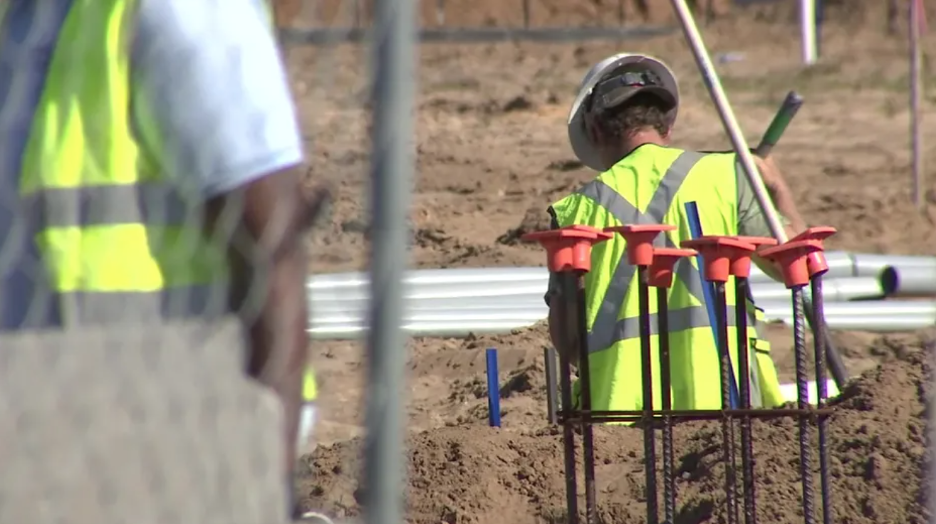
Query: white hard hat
{"points": [[664, 86]]}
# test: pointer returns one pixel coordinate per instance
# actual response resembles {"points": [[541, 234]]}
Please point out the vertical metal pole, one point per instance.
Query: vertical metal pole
{"points": [[744, 381], [526, 14], [646, 356], [916, 116], [569, 291], [825, 486], [394, 48], [802, 402], [588, 437], [666, 394], [724, 364]]}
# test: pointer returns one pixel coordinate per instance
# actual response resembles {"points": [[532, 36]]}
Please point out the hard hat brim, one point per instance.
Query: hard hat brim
{"points": [[583, 148]]}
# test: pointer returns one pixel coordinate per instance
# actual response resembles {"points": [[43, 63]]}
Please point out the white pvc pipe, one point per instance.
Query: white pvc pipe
{"points": [[836, 290], [789, 391], [808, 31], [912, 281]]}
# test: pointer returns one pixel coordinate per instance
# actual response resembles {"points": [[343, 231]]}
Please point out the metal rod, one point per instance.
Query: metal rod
{"points": [[567, 281], [744, 383], [391, 173], [802, 402], [738, 142], [724, 367], [549, 356], [695, 414], [646, 367], [825, 485], [916, 114], [666, 394], [588, 438]]}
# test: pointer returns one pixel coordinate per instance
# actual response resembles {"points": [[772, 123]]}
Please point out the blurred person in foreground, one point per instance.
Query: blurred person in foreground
{"points": [[149, 156], [620, 125]]}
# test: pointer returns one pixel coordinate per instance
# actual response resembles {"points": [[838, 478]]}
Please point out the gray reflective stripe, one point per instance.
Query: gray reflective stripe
{"points": [[604, 328], [686, 318], [145, 203], [103, 308]]}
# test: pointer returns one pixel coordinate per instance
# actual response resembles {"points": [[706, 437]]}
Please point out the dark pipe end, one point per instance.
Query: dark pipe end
{"points": [[890, 280]]}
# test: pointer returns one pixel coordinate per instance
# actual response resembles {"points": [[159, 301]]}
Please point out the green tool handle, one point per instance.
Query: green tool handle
{"points": [[778, 126]]}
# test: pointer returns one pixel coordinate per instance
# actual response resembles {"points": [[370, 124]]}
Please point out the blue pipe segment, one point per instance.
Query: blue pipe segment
{"points": [[493, 389], [695, 229]]}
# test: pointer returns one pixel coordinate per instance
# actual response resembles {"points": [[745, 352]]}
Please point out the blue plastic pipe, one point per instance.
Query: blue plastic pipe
{"points": [[695, 229], [493, 389]]}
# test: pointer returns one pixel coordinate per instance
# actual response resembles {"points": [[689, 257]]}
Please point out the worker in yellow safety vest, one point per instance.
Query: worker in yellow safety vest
{"points": [[620, 125], [149, 170]]}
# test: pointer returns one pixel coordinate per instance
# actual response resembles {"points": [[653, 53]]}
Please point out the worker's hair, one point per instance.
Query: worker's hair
{"points": [[641, 111]]}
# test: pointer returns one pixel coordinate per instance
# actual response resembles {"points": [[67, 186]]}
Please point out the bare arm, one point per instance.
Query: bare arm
{"points": [[268, 272]]}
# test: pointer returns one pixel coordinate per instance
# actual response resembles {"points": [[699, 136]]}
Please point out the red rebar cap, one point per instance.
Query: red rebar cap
{"points": [[661, 270], [717, 253], [640, 240], [816, 262], [792, 258], [741, 263], [568, 248]]}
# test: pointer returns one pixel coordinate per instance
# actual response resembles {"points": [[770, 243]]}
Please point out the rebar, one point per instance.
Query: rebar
{"points": [[724, 366], [802, 402], [825, 487], [669, 481], [568, 434], [588, 439], [643, 289], [744, 381]]}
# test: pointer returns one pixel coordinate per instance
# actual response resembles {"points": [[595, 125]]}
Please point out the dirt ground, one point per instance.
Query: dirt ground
{"points": [[492, 154]]}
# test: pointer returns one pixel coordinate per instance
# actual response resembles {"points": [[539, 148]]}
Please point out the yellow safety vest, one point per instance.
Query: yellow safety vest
{"points": [[116, 239], [652, 185]]}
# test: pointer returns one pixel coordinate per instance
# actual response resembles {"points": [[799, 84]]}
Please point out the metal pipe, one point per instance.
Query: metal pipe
{"points": [[808, 39], [909, 281], [394, 66]]}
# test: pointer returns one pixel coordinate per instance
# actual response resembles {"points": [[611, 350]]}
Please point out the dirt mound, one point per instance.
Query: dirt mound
{"points": [[471, 473]]}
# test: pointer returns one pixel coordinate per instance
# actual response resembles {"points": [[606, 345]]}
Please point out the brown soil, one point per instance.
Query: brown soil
{"points": [[492, 154], [465, 472]]}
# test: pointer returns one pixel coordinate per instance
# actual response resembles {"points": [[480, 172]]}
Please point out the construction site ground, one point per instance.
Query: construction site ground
{"points": [[492, 154]]}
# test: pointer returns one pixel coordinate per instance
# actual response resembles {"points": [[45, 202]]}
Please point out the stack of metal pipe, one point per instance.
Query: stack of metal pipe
{"points": [[456, 302]]}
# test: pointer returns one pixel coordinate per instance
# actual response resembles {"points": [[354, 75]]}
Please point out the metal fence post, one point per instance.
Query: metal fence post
{"points": [[393, 67]]}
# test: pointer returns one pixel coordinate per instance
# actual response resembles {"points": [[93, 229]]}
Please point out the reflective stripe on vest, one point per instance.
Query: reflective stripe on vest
{"points": [[607, 328], [95, 233]]}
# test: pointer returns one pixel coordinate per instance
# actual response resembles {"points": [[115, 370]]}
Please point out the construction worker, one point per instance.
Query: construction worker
{"points": [[149, 157], [620, 125]]}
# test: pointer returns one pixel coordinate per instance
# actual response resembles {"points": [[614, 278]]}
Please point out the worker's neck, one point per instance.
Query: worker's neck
{"points": [[642, 137]]}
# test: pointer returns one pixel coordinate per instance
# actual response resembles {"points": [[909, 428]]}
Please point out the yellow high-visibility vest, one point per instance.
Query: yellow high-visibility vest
{"points": [[652, 185], [116, 240]]}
